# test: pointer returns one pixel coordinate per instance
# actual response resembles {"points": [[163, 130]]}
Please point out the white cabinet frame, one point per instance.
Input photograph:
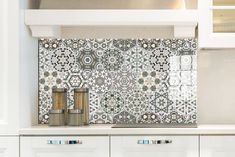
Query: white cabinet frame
{"points": [[207, 38]]}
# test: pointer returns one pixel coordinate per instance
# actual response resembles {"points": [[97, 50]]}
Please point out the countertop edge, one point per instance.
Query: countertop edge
{"points": [[107, 130]]}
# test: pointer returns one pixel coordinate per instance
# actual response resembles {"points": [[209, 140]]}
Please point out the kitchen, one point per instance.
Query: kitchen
{"points": [[171, 93]]}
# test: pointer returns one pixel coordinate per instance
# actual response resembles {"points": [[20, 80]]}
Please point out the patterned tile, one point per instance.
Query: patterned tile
{"points": [[123, 44], [130, 80], [63, 59], [100, 81], [149, 117], [112, 59], [160, 59], [124, 81], [100, 117], [136, 103], [138, 59], [75, 44], [87, 59], [124, 117], [112, 102], [162, 103], [149, 81], [149, 44], [49, 44]]}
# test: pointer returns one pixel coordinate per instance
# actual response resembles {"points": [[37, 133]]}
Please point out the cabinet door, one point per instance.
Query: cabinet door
{"points": [[9, 79], [216, 23], [217, 146], [65, 146], [9, 146], [154, 146]]}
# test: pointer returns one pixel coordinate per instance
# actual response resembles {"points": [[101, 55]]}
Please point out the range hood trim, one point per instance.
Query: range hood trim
{"points": [[48, 23]]}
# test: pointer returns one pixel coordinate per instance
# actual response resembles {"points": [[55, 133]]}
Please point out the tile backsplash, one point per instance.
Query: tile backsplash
{"points": [[130, 81]]}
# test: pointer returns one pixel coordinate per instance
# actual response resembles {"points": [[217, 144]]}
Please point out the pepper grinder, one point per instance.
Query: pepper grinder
{"points": [[81, 102], [59, 105]]}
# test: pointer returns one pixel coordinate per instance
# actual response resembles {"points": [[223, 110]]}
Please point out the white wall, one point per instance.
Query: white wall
{"points": [[216, 86], [28, 70]]}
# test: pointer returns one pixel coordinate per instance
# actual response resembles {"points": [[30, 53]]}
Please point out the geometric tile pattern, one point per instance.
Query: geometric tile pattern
{"points": [[130, 80]]}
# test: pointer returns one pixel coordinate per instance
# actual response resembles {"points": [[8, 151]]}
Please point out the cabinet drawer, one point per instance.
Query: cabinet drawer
{"points": [[151, 146], [217, 146], [64, 146], [9, 146]]}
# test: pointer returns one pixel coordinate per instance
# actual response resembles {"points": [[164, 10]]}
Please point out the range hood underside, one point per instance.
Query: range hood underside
{"points": [[111, 23]]}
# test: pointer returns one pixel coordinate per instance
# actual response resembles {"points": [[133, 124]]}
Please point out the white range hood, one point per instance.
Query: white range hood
{"points": [[112, 19]]}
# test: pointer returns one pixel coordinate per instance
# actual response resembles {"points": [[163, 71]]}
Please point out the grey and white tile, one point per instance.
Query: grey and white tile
{"points": [[130, 80]]}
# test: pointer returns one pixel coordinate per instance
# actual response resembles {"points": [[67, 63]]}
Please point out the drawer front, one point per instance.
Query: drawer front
{"points": [[217, 146], [9, 146], [152, 146], [67, 146]]}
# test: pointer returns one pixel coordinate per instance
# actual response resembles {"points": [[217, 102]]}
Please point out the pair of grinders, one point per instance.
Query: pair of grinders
{"points": [[59, 115]]}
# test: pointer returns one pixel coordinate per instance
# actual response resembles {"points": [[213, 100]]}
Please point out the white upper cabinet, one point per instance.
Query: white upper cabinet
{"points": [[154, 146], [216, 23], [217, 146], [9, 67], [75, 146]]}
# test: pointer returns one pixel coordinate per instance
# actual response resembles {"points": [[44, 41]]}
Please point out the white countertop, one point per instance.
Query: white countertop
{"points": [[108, 130]]}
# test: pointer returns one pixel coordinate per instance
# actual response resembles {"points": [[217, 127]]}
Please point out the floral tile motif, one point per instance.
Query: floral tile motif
{"points": [[49, 44], [87, 59], [160, 59], [162, 103], [100, 118], [124, 118], [149, 117], [130, 80], [75, 44], [112, 59], [123, 44], [136, 103], [63, 59], [100, 81], [149, 44], [124, 81], [137, 59], [112, 102], [149, 81]]}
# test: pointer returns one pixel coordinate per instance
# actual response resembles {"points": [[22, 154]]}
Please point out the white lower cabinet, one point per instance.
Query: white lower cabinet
{"points": [[9, 146], [217, 146], [154, 146], [65, 146]]}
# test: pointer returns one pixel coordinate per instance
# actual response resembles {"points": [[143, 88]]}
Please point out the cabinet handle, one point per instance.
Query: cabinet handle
{"points": [[64, 142], [146, 142]]}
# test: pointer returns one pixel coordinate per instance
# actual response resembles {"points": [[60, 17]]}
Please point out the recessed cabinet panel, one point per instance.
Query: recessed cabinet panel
{"points": [[223, 2], [9, 146], [118, 4], [224, 21], [151, 146], [3, 63], [217, 146], [65, 146]]}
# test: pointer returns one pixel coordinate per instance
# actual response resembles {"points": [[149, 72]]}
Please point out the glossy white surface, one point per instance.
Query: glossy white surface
{"points": [[9, 146], [180, 146], [50, 23], [217, 146], [107, 130], [9, 64], [90, 147]]}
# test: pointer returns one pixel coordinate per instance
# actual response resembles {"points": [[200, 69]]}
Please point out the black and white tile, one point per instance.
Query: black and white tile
{"points": [[130, 80]]}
